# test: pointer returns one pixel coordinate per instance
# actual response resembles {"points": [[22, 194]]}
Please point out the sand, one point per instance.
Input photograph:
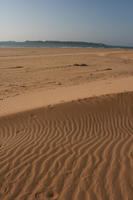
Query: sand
{"points": [[34, 69], [67, 141]]}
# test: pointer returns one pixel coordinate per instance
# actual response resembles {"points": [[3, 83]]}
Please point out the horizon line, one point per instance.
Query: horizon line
{"points": [[74, 41]]}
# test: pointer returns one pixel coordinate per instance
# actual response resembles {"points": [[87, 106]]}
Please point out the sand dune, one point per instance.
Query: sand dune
{"points": [[82, 150], [39, 99]]}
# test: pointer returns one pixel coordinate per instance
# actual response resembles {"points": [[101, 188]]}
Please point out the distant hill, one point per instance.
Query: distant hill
{"points": [[69, 43], [58, 44]]}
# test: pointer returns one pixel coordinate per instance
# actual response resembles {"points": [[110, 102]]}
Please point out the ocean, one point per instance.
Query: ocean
{"points": [[57, 44]]}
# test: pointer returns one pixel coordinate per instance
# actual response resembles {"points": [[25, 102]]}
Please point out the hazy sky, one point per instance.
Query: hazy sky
{"points": [[108, 21]]}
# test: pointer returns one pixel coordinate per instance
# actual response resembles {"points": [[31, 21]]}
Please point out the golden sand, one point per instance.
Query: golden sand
{"points": [[70, 145]]}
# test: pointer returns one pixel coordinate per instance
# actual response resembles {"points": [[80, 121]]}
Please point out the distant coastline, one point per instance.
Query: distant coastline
{"points": [[58, 44]]}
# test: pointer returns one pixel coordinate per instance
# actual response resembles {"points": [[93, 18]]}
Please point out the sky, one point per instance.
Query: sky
{"points": [[105, 21]]}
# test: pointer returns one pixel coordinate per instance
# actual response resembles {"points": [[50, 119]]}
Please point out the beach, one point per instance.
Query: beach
{"points": [[32, 69], [66, 124]]}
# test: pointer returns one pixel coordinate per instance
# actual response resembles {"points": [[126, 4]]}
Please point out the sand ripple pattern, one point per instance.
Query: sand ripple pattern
{"points": [[81, 150]]}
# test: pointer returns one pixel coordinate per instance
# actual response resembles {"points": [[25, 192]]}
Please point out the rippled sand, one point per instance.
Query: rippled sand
{"points": [[77, 150], [66, 124]]}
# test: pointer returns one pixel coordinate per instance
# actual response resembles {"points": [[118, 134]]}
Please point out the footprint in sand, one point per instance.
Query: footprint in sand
{"points": [[33, 116], [47, 195]]}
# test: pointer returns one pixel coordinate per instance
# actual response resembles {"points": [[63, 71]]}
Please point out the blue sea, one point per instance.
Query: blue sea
{"points": [[57, 44]]}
